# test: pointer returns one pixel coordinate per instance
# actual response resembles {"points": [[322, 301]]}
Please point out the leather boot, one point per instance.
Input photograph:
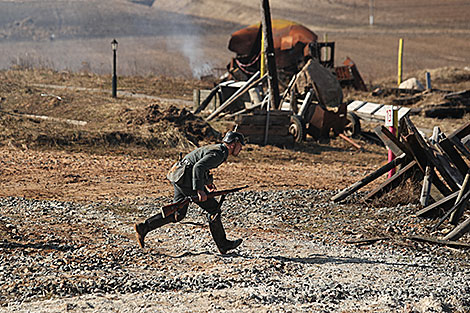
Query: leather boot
{"points": [[218, 234], [150, 224]]}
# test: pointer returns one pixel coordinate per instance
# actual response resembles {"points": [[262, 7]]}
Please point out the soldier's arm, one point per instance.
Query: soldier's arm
{"points": [[208, 162]]}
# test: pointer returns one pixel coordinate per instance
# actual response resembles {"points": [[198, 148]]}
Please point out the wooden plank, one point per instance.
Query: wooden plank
{"points": [[448, 148], [430, 156], [454, 244], [419, 156], [461, 132], [369, 108], [454, 173], [427, 181], [460, 146], [459, 231], [462, 201], [444, 203], [391, 141], [355, 105], [419, 146], [426, 188], [454, 218], [403, 174], [208, 99], [369, 178], [253, 81]]}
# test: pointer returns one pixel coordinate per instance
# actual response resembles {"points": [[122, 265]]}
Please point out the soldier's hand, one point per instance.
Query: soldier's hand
{"points": [[211, 187], [202, 195]]}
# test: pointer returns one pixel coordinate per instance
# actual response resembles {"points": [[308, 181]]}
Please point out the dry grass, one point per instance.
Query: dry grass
{"points": [[120, 125], [407, 192]]}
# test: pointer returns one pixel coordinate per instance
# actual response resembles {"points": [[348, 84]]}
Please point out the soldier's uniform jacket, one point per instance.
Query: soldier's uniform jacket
{"points": [[193, 171]]}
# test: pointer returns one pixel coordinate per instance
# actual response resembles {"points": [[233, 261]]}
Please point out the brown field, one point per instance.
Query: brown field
{"points": [[179, 39], [186, 38]]}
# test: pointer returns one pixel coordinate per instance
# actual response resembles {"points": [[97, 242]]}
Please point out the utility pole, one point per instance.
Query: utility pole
{"points": [[273, 83]]}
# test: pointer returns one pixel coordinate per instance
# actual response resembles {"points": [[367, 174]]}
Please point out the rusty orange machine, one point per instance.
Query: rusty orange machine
{"points": [[291, 42], [306, 71], [294, 45], [316, 99]]}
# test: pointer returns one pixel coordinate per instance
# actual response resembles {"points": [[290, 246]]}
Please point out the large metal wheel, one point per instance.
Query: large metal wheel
{"points": [[353, 127], [297, 128]]}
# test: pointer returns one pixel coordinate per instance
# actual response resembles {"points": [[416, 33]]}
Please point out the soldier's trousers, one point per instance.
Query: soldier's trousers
{"points": [[211, 206]]}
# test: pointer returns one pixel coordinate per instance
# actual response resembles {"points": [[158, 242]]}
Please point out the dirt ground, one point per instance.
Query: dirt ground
{"points": [[128, 143]]}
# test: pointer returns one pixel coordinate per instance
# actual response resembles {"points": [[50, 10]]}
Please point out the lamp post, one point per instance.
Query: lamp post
{"points": [[114, 45]]}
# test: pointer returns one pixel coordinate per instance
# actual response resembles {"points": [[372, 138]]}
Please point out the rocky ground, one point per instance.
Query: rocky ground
{"points": [[65, 256]]}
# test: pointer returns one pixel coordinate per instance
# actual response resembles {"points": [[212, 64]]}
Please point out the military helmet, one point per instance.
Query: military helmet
{"points": [[232, 136]]}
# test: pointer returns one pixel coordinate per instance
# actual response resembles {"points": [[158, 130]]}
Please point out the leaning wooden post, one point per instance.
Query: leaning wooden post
{"points": [[456, 215], [428, 81], [356, 186], [427, 181], [273, 83], [459, 231]]}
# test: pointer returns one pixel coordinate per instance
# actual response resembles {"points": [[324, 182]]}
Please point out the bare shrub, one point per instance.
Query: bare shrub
{"points": [[407, 192]]}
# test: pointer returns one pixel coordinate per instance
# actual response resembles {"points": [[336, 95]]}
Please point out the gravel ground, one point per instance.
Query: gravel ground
{"points": [[64, 256]]}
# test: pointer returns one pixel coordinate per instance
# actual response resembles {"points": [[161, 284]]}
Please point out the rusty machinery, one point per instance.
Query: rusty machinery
{"points": [[294, 45], [316, 94], [316, 98]]}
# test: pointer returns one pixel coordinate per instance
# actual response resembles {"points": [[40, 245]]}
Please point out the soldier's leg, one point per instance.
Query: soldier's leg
{"points": [[156, 221], [212, 207]]}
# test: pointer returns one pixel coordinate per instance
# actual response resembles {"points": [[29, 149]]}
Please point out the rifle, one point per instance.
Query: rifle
{"points": [[173, 207]]}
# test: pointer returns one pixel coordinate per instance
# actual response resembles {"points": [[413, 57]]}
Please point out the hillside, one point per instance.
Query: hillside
{"points": [[189, 38]]}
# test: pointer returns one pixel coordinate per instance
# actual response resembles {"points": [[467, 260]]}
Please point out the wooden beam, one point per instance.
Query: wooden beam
{"points": [[426, 188], [253, 81], [454, 244], [208, 99], [459, 231], [461, 202], [461, 132], [444, 203], [361, 183], [430, 156], [460, 146], [420, 157], [390, 140], [449, 150], [403, 174], [454, 218]]}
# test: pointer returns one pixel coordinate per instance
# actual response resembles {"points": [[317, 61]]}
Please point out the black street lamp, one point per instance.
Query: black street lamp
{"points": [[114, 45]]}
